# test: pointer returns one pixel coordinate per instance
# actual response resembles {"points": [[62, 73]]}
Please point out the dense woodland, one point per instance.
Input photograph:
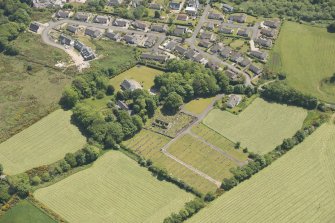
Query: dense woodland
{"points": [[307, 10]]}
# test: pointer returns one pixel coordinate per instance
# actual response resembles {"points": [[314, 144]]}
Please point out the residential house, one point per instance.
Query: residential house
{"points": [[240, 18], [93, 32], [122, 105], [225, 30], [64, 40], [170, 46], [232, 75], [72, 28], [245, 62], [180, 30], [210, 26], [81, 16], [225, 52], [150, 42], [264, 42], [87, 53], [269, 32], [63, 14], [155, 6], [236, 57], [190, 53], [200, 59], [113, 36], [213, 65], [216, 48], [130, 85], [228, 8], [204, 43], [101, 19], [115, 2], [179, 49], [78, 45], [243, 32], [272, 24], [234, 100], [159, 28], [34, 27], [255, 69], [121, 22], [259, 54], [139, 25], [192, 11], [175, 5], [182, 17], [216, 16], [159, 58], [208, 36], [130, 39], [193, 3]]}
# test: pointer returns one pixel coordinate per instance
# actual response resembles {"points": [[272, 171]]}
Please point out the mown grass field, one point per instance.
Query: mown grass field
{"points": [[25, 212], [198, 106], [260, 127], [148, 144], [218, 140], [142, 74], [114, 189], [201, 156], [43, 143], [306, 55], [299, 187], [27, 95]]}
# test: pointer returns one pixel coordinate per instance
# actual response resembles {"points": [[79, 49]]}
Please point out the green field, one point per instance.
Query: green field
{"points": [[198, 106], [299, 187], [42, 143], [260, 127], [306, 55], [27, 95], [148, 144], [25, 212], [142, 74], [114, 189]]}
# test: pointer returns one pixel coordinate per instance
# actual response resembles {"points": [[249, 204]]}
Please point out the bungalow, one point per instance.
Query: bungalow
{"points": [[228, 8], [130, 85], [64, 40], [255, 69], [180, 50], [215, 16], [87, 53], [213, 65], [190, 53], [115, 2], [225, 30], [101, 19], [92, 32], [204, 43], [159, 28], [225, 52], [180, 30], [159, 58], [217, 48], [272, 24], [34, 27], [234, 100], [171, 45], [155, 6], [150, 42], [192, 11], [130, 39], [232, 75], [200, 59], [208, 36], [175, 5], [241, 18], [81, 16], [243, 32], [236, 57], [245, 62], [269, 32], [139, 25], [264, 42], [72, 28], [210, 26], [113, 36], [78, 45], [182, 17], [63, 14], [121, 22], [259, 54]]}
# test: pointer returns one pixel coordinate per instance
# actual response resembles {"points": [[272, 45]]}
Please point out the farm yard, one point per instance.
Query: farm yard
{"points": [[148, 144], [114, 189], [299, 187], [43, 143], [142, 74], [260, 127], [25, 211], [305, 54]]}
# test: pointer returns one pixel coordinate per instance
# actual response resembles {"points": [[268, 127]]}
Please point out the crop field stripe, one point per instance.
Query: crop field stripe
{"points": [[299, 187]]}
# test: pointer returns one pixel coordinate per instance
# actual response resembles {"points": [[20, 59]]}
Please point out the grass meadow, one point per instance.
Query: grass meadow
{"points": [[114, 189], [299, 187], [198, 106], [260, 127], [43, 143], [24, 211], [306, 54], [148, 144]]}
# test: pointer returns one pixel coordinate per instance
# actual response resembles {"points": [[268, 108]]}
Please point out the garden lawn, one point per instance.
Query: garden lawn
{"points": [[299, 187], [45, 142], [306, 54], [198, 106], [260, 127], [114, 189], [142, 74], [25, 212]]}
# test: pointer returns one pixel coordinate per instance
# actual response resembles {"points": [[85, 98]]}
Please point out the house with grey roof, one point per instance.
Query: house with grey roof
{"points": [[180, 30], [130, 85], [101, 19], [158, 58], [78, 45], [210, 26], [150, 42], [216, 16], [232, 75], [159, 28], [264, 42], [72, 28], [216, 48], [182, 17], [82, 16], [200, 59], [93, 32], [240, 18], [213, 65], [113, 36], [190, 53], [139, 25], [234, 100], [179, 49], [225, 52], [272, 24], [34, 27], [175, 5], [63, 14], [255, 70], [115, 2], [87, 53], [122, 105], [269, 32], [65, 40], [226, 30], [236, 57], [170, 46], [243, 32], [245, 62], [259, 54], [204, 43], [208, 36], [121, 22], [227, 8]]}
